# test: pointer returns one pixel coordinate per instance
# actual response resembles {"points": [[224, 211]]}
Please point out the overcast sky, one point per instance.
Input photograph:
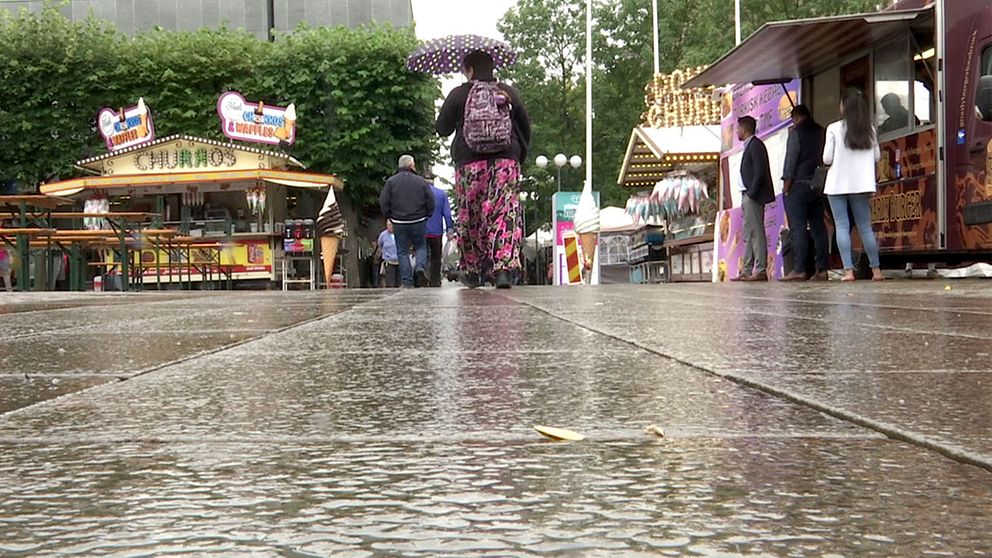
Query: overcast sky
{"points": [[439, 18]]}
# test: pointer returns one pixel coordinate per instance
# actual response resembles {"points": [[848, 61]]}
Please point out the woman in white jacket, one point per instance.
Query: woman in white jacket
{"points": [[851, 150]]}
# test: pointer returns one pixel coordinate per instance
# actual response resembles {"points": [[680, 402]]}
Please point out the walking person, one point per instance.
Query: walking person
{"points": [[492, 133], [408, 201], [438, 226], [5, 269], [756, 191], [803, 206], [851, 150], [390, 269]]}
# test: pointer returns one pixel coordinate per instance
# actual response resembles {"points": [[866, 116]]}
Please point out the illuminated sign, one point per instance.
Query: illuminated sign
{"points": [[256, 121], [171, 158], [126, 127]]}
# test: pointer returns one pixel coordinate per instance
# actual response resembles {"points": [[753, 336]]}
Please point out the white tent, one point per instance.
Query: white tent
{"points": [[616, 220]]}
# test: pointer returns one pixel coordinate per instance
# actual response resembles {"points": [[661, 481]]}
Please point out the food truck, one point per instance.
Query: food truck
{"points": [[926, 69]]}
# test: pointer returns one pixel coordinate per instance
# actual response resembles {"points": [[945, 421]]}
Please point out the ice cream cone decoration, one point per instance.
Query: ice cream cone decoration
{"points": [[587, 228], [289, 122], [588, 242], [329, 251], [143, 116]]}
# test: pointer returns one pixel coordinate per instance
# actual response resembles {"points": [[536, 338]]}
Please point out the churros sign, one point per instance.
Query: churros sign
{"points": [[256, 121], [126, 127]]}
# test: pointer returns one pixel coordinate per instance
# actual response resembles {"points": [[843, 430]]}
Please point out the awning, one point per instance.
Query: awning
{"points": [[216, 181], [786, 50], [654, 152]]}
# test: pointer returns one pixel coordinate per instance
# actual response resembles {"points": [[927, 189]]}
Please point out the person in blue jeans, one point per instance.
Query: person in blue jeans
{"points": [[408, 201], [439, 225], [851, 150]]}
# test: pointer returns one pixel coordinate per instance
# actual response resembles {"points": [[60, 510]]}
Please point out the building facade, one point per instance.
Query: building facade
{"points": [[256, 16]]}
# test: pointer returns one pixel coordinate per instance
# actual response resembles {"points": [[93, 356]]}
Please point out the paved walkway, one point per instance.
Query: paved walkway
{"points": [[800, 420]]}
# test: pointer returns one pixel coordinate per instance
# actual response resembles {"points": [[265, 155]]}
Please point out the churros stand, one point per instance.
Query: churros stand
{"points": [[226, 195], [221, 209], [671, 166]]}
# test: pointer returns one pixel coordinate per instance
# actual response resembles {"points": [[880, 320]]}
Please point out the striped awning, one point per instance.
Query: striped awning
{"points": [[786, 50]]}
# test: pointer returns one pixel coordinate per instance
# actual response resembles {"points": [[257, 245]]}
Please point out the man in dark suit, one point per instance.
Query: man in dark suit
{"points": [[756, 190]]}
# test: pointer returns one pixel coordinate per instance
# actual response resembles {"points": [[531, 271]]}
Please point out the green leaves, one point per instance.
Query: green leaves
{"points": [[359, 108], [550, 38]]}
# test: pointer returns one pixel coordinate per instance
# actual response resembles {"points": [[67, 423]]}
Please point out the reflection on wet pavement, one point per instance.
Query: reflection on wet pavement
{"points": [[378, 424], [704, 497], [865, 349]]}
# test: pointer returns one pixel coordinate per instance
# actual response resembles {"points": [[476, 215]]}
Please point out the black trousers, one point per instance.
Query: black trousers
{"points": [[804, 208], [434, 261]]}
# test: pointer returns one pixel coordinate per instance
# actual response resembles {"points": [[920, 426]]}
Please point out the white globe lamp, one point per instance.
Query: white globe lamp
{"points": [[560, 160], [575, 161], [542, 161]]}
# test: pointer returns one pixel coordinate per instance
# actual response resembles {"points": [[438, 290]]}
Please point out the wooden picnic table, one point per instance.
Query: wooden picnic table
{"points": [[30, 231], [19, 205], [133, 215]]}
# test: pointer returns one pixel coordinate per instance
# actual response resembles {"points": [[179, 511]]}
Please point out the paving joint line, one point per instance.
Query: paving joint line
{"points": [[952, 452], [188, 358]]}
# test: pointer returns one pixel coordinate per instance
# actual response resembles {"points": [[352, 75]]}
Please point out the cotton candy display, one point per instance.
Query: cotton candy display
{"points": [[672, 198]]}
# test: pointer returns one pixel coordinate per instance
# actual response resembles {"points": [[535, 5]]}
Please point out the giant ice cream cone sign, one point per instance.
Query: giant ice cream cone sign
{"points": [[126, 127], [587, 229]]}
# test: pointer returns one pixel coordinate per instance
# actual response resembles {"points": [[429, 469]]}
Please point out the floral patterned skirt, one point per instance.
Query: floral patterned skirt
{"points": [[490, 227]]}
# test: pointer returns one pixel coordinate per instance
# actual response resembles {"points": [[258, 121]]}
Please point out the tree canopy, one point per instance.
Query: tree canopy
{"points": [[359, 108]]}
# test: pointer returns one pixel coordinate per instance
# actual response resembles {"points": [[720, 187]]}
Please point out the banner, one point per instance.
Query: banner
{"points": [[256, 121], [563, 205], [730, 241], [770, 105], [126, 127]]}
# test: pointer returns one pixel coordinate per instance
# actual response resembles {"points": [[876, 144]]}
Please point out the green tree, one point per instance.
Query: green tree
{"points": [[359, 108], [550, 69]]}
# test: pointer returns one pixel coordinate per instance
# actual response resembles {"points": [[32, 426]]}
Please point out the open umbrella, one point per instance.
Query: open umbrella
{"points": [[445, 55]]}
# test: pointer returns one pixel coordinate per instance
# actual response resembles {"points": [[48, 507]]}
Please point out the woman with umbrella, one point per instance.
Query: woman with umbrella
{"points": [[492, 133]]}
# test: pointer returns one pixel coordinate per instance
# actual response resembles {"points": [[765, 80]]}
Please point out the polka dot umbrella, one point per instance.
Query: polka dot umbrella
{"points": [[444, 55]]}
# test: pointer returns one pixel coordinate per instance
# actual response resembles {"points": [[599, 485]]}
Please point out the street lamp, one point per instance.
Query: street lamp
{"points": [[560, 161], [533, 196]]}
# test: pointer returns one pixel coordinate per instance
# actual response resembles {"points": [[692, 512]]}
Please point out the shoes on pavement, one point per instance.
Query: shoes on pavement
{"points": [[741, 277], [794, 277], [470, 279], [420, 278], [757, 277], [819, 276], [503, 280]]}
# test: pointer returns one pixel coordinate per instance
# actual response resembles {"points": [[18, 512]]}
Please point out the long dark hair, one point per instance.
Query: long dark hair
{"points": [[860, 130]]}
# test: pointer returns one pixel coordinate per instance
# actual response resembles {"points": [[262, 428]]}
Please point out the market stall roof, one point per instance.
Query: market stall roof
{"points": [[653, 152], [96, 164], [615, 220], [786, 50], [177, 182]]}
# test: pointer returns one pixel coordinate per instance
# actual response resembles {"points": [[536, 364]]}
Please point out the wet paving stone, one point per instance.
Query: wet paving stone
{"points": [[20, 390], [865, 354], [246, 393], [106, 353], [952, 406], [387, 423], [727, 497]]}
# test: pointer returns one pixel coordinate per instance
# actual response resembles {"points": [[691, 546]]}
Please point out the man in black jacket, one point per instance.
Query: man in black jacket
{"points": [[757, 190], [803, 206], [408, 201]]}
